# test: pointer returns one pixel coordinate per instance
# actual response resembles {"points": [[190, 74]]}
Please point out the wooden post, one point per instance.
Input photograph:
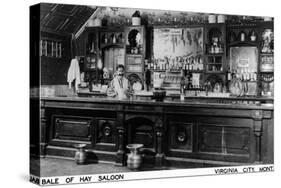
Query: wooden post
{"points": [[159, 158], [257, 116], [43, 132], [120, 155]]}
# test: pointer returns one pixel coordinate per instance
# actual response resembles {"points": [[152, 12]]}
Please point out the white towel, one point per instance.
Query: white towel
{"points": [[74, 73]]}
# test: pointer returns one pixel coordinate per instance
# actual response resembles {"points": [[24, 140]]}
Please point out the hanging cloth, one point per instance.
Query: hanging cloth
{"points": [[74, 74]]}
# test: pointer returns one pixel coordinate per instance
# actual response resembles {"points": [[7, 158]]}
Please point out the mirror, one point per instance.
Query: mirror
{"points": [[244, 59], [244, 63], [177, 42]]}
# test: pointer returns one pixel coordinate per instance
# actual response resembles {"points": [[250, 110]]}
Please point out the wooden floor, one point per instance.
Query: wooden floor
{"points": [[62, 167]]}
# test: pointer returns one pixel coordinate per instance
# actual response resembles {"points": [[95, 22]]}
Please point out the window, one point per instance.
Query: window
{"points": [[49, 48]]}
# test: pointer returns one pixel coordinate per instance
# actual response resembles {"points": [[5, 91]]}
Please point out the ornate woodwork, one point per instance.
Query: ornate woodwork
{"points": [[172, 133]]}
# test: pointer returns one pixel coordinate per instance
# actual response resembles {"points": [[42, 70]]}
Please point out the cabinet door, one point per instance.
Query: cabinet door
{"points": [[106, 136], [180, 137], [224, 140], [215, 48], [141, 131], [71, 129]]}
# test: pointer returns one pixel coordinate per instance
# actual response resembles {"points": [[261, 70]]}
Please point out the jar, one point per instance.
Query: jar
{"points": [[134, 160], [221, 18], [136, 20], [80, 154], [212, 18]]}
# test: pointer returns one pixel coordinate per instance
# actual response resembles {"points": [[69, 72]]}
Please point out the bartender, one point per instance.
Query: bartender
{"points": [[120, 86]]}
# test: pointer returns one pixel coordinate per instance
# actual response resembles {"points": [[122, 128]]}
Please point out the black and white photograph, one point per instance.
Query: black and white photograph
{"points": [[130, 90], [145, 94], [120, 90]]}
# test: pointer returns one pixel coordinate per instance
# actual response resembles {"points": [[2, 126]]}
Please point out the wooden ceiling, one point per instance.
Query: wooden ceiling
{"points": [[63, 18]]}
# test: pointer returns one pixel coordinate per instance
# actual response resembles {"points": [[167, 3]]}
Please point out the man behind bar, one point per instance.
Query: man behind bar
{"points": [[119, 86]]}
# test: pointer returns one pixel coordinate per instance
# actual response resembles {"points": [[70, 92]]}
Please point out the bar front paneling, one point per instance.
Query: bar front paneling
{"points": [[190, 134]]}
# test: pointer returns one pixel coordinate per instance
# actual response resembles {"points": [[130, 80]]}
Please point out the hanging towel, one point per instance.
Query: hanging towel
{"points": [[74, 73]]}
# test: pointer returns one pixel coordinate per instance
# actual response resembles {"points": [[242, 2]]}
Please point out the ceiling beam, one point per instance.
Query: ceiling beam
{"points": [[80, 31]]}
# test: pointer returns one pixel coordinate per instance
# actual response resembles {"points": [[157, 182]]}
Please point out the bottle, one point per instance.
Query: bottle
{"points": [[255, 76], [212, 49], [217, 49], [220, 48], [113, 39], [152, 64], [224, 90], [182, 84], [105, 39], [229, 76], [192, 66], [253, 36], [146, 63], [242, 36], [166, 66], [180, 66], [147, 79]]}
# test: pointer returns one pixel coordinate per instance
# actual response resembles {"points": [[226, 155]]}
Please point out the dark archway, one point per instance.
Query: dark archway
{"points": [[141, 130]]}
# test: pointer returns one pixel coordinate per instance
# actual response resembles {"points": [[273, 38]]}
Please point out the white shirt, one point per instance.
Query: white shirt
{"points": [[119, 87]]}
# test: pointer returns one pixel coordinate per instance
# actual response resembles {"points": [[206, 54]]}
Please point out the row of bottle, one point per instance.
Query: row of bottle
{"points": [[193, 87], [267, 59], [218, 88], [112, 38], [244, 74], [242, 36], [216, 46], [186, 83], [176, 64], [215, 49], [134, 50]]}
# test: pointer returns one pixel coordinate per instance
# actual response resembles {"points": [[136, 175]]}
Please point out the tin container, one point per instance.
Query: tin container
{"points": [[80, 154], [134, 160]]}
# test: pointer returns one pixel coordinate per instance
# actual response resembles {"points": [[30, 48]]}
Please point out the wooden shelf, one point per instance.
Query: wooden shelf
{"points": [[116, 45], [261, 71], [215, 72], [157, 70], [214, 54], [134, 55], [242, 43], [194, 71], [266, 53], [174, 71]]}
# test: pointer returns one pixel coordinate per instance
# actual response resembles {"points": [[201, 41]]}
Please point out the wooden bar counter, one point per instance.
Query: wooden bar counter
{"points": [[190, 133]]}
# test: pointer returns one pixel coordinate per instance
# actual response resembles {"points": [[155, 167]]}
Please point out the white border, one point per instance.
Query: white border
{"points": [[144, 175]]}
